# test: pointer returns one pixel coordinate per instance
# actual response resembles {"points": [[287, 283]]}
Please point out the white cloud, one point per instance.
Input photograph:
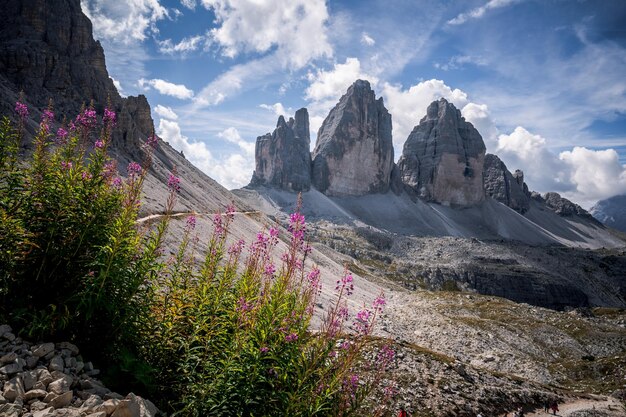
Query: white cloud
{"points": [[277, 108], [408, 107], [458, 61], [232, 135], [480, 116], [232, 171], [367, 39], [331, 84], [480, 11], [190, 4], [296, 28], [165, 112], [118, 86], [185, 45], [596, 174], [166, 88], [124, 21]]}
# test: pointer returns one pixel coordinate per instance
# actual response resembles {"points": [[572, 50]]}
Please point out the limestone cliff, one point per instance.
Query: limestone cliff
{"points": [[505, 187], [443, 157], [354, 151], [282, 158]]}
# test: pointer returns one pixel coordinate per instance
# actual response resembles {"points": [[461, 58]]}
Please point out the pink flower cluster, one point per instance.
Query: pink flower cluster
{"points": [[134, 169], [21, 109], [173, 183], [109, 117], [345, 284], [87, 119], [191, 222]]}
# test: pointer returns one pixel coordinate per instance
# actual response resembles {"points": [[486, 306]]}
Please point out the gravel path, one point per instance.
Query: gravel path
{"points": [[604, 407]]}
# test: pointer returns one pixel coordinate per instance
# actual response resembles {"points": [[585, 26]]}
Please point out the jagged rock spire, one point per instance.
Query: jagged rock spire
{"points": [[354, 151], [443, 157], [283, 158]]}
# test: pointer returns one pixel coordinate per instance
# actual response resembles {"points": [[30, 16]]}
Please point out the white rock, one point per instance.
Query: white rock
{"points": [[134, 406], [34, 393], [8, 358], [62, 400], [43, 350], [61, 385], [13, 389]]}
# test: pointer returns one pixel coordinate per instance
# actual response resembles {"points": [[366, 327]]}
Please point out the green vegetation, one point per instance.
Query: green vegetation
{"points": [[223, 334]]}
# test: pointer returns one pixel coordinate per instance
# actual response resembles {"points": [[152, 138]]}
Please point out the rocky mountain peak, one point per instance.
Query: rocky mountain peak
{"points": [[283, 159], [502, 186], [354, 150], [443, 158]]}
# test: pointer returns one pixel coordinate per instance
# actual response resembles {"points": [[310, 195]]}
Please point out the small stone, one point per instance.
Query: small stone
{"points": [[61, 385], [69, 346], [46, 412], [35, 393], [31, 361], [91, 404], [62, 400], [109, 406], [113, 395], [134, 406], [67, 412], [49, 397], [79, 366], [9, 336], [13, 389], [5, 328], [10, 410], [43, 350], [11, 368], [38, 406], [70, 362], [93, 372], [29, 379], [9, 357], [56, 364], [45, 377], [40, 385], [88, 366]]}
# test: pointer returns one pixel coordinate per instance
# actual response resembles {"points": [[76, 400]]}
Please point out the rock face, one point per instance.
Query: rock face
{"points": [[283, 158], [443, 157], [564, 207], [611, 212], [505, 187], [354, 151], [47, 50]]}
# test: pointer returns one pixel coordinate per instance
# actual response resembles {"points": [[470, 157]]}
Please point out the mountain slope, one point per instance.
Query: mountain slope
{"points": [[611, 212]]}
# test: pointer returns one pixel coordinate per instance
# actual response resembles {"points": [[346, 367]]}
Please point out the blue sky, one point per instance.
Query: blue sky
{"points": [[544, 81]]}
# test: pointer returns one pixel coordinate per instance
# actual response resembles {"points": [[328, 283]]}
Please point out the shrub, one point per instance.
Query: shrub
{"points": [[71, 261]]}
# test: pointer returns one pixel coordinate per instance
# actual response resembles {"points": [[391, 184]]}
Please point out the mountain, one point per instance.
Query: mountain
{"points": [[443, 158], [611, 212]]}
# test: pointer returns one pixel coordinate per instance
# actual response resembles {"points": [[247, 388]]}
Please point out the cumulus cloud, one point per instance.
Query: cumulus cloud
{"points": [[190, 4], [480, 11], [165, 112], [277, 108], [331, 84], [408, 107], [367, 39], [124, 21], [118, 86], [596, 174], [233, 170], [166, 88], [480, 116], [186, 45], [287, 25]]}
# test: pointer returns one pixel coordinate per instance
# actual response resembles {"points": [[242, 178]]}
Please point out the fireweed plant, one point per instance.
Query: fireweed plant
{"points": [[225, 334]]}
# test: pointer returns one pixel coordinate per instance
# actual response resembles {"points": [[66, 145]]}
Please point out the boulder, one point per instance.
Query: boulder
{"points": [[503, 186], [283, 158], [443, 157], [353, 154]]}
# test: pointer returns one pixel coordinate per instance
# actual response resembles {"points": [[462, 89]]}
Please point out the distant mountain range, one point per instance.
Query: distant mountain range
{"points": [[611, 212]]}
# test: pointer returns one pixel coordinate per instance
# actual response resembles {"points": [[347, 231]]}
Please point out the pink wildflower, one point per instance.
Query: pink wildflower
{"points": [[134, 168], [61, 134], [218, 224], [173, 183], [291, 337], [117, 182], [264, 349], [109, 116], [152, 141], [21, 109], [87, 118], [379, 302], [66, 165], [270, 269], [191, 222], [99, 144], [236, 248]]}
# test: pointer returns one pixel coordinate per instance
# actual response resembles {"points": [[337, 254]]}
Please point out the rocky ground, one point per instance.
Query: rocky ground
{"points": [[54, 380]]}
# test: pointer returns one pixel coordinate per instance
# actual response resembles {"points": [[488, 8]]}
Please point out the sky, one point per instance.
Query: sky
{"points": [[544, 81]]}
